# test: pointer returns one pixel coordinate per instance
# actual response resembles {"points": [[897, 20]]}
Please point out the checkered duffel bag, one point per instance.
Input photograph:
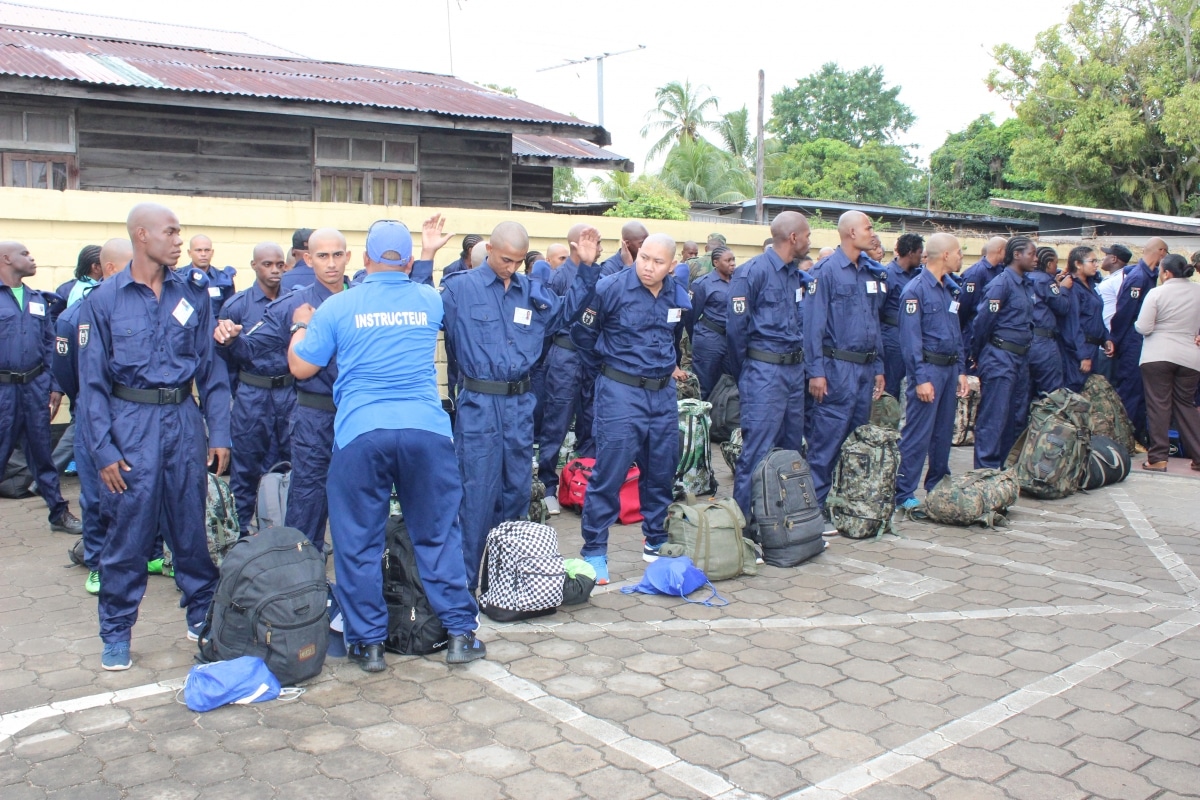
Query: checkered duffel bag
{"points": [[522, 575]]}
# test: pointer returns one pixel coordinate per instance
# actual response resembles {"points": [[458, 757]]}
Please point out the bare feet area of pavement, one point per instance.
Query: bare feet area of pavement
{"points": [[1058, 658]]}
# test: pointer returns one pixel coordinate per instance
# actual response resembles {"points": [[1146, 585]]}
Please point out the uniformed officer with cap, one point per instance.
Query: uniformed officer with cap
{"points": [[266, 399], [766, 347], [904, 267], [220, 279], [628, 332], [934, 360], [1001, 337], [144, 340], [301, 273], [29, 395], [843, 344], [390, 432], [706, 329], [496, 321]]}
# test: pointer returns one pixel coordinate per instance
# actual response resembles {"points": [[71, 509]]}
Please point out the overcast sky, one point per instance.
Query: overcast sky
{"points": [[938, 51]]}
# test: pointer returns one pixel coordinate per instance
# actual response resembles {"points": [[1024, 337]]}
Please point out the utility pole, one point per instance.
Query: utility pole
{"points": [[758, 161], [599, 75]]}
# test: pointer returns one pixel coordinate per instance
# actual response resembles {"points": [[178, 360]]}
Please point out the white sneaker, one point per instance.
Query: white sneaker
{"points": [[552, 506]]}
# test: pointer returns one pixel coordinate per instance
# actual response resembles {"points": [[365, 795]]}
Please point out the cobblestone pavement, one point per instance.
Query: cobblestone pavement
{"points": [[1056, 659]]}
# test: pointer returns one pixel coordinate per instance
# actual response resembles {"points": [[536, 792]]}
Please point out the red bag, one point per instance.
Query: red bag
{"points": [[572, 489]]}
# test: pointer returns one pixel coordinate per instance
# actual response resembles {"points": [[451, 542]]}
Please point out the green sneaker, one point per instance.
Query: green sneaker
{"points": [[92, 584], [154, 567]]}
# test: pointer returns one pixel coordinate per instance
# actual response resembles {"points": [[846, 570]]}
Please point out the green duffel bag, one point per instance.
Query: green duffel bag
{"points": [[711, 535], [981, 496]]}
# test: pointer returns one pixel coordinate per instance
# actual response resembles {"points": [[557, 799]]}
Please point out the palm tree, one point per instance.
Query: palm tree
{"points": [[734, 129], [680, 114], [615, 188], [703, 173]]}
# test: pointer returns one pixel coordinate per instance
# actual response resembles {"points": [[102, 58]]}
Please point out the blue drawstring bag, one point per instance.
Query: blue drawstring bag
{"points": [[239, 680], [676, 577]]}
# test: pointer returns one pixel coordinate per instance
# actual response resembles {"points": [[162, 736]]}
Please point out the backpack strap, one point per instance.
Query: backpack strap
{"points": [[714, 600]]}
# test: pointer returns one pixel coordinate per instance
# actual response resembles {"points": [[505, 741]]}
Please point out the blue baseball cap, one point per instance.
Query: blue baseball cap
{"points": [[389, 236]]}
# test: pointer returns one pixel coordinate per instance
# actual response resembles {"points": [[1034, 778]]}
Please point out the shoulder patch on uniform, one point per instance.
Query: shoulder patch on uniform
{"points": [[84, 330], [812, 287], [910, 306], [739, 305], [540, 305], [60, 345], [589, 317], [1054, 288], [970, 287], [691, 294], [1135, 292], [994, 306]]}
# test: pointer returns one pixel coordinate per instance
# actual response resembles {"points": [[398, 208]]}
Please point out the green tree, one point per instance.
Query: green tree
{"points": [[853, 107], [701, 172], [734, 130], [617, 186], [830, 169], [680, 114], [1110, 99], [649, 198], [973, 165], [567, 186]]}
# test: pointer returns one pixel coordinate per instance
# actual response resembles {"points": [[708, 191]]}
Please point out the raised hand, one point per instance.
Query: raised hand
{"points": [[432, 237]]}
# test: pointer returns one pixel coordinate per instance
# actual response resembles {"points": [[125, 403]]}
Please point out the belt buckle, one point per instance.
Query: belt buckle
{"points": [[514, 388], [166, 395], [278, 381]]}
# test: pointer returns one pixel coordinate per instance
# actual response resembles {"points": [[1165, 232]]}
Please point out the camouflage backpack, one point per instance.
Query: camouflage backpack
{"points": [[965, 413], [731, 451], [688, 388], [1108, 412], [537, 498], [981, 496], [863, 494], [221, 524], [1053, 459], [694, 473], [886, 412], [685, 354]]}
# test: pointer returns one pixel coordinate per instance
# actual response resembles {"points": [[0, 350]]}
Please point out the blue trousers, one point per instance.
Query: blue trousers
{"points": [[846, 406], [167, 486], [421, 466], [1003, 405], [260, 428], [1045, 367], [709, 358], [632, 426], [928, 429], [1127, 378], [773, 406], [893, 361], [585, 441], [25, 411], [89, 500], [312, 446], [560, 402], [493, 437]]}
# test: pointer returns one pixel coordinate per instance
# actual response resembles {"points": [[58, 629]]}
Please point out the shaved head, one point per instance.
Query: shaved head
{"points": [[154, 232], [511, 234], [826, 252], [478, 254], [200, 240], [506, 250], [1154, 251], [268, 264], [993, 251], [16, 263], [790, 235], [328, 255], [857, 233], [556, 254], [943, 254], [634, 231], [329, 237], [267, 250], [939, 243], [655, 259], [575, 232], [114, 255]]}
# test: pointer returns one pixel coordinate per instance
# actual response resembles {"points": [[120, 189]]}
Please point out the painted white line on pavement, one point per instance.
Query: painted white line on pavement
{"points": [[1170, 560], [893, 762], [655, 756], [14, 722]]}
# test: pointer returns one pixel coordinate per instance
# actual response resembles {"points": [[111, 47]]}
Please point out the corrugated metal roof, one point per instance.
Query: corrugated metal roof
{"points": [[112, 62], [1139, 219], [48, 19], [889, 211], [571, 152]]}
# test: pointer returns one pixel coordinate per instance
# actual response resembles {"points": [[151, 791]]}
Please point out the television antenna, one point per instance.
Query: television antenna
{"points": [[599, 74]]}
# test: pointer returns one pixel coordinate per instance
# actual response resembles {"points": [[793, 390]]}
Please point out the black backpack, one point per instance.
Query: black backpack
{"points": [[787, 520], [271, 603], [413, 628], [1108, 462], [726, 411]]}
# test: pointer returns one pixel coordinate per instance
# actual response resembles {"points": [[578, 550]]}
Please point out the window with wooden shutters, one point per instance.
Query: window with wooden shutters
{"points": [[38, 148], [366, 168]]}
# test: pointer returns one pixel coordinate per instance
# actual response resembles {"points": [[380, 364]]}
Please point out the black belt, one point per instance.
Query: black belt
{"points": [[1045, 333], [712, 326], [10, 376], [891, 319], [501, 388], [938, 359], [564, 341], [321, 402], [652, 384], [786, 359], [853, 356], [265, 381], [1018, 349], [1097, 340], [160, 396]]}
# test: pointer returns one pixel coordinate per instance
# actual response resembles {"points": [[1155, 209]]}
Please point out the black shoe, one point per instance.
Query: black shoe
{"points": [[368, 656], [464, 648], [67, 523]]}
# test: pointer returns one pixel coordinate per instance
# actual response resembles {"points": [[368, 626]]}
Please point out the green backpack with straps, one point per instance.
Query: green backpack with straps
{"points": [[711, 535], [981, 496], [694, 472], [1053, 457], [220, 522], [863, 493]]}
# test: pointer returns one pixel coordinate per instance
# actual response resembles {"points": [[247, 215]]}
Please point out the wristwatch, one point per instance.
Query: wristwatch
{"points": [[298, 325]]}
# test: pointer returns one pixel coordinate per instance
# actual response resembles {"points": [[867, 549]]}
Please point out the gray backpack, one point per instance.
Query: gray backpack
{"points": [[726, 409], [271, 508], [786, 517]]}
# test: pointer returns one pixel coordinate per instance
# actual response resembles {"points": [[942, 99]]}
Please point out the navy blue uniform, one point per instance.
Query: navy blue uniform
{"points": [[463, 264], [301, 274], [263, 406], [390, 431], [766, 354], [1127, 342], [627, 335], [1001, 336], [844, 345], [26, 345], [220, 284], [932, 349], [495, 337], [889, 315], [131, 340], [974, 281], [710, 304], [612, 265], [1052, 324], [1087, 309]]}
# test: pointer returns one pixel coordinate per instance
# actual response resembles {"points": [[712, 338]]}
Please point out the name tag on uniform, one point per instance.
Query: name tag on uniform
{"points": [[799, 294], [674, 314], [37, 309], [953, 306], [183, 312], [214, 291], [872, 287], [522, 316]]}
